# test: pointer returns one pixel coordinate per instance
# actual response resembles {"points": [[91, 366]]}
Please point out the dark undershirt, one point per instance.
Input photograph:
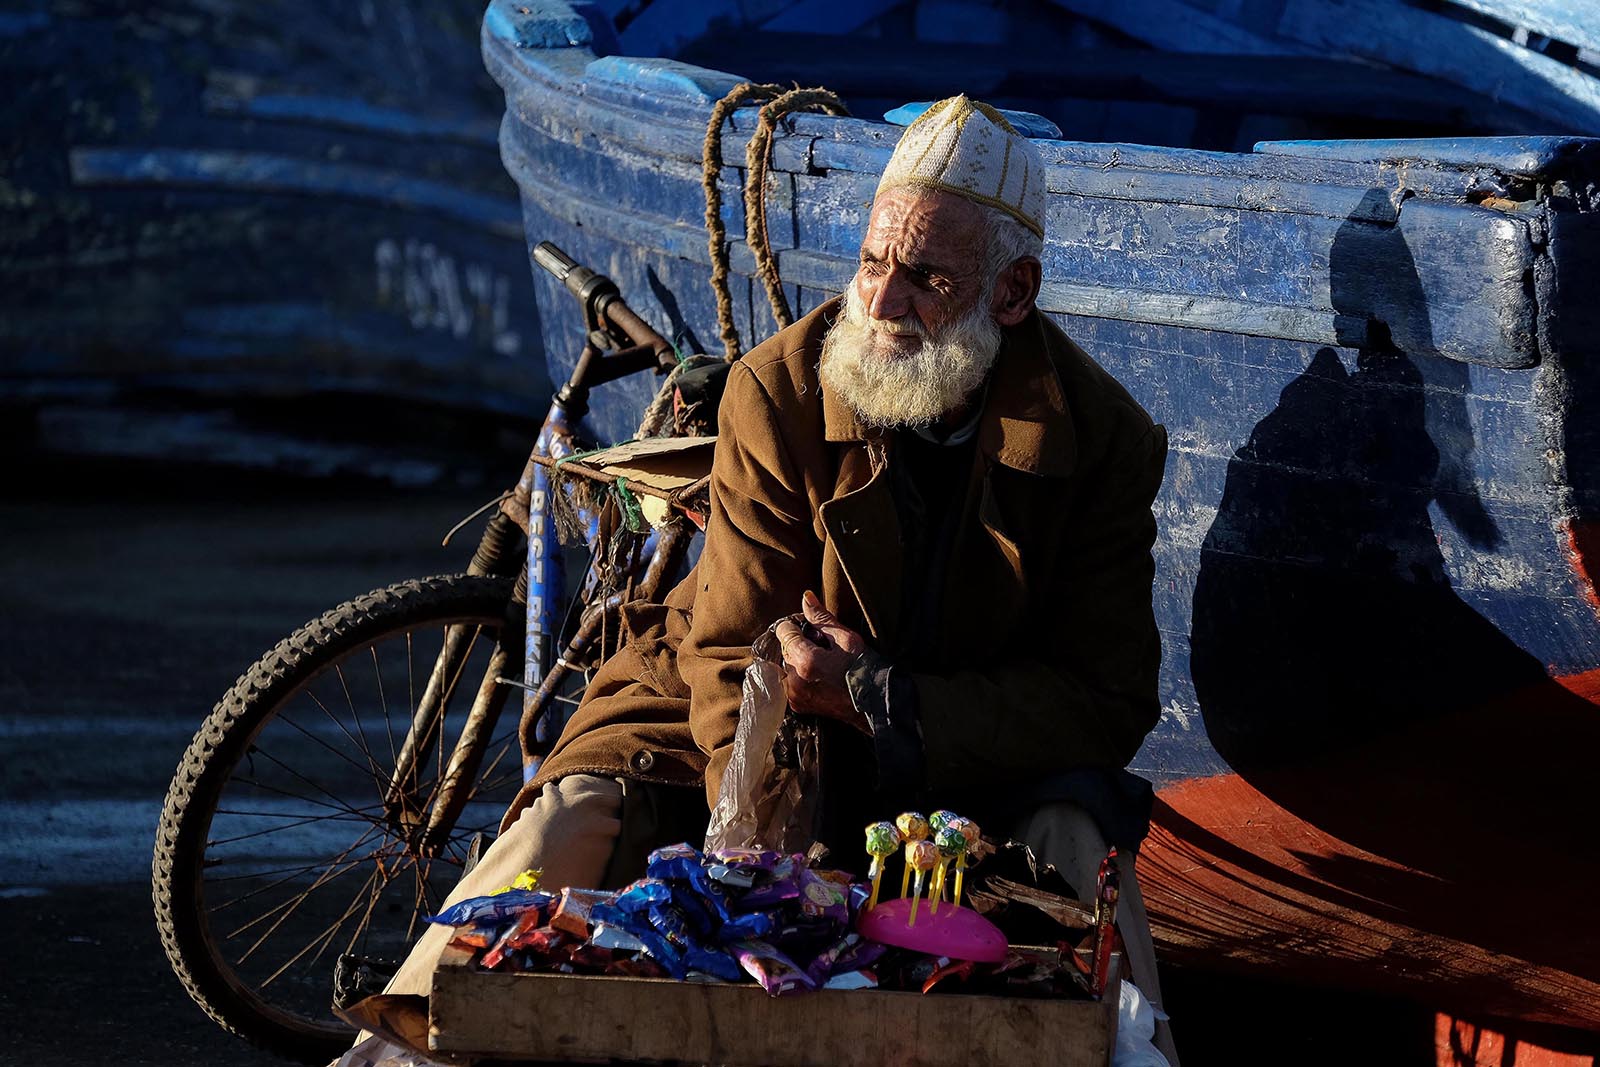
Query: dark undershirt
{"points": [[929, 482]]}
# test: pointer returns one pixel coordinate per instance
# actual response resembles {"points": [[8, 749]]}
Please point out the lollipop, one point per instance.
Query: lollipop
{"points": [[969, 830], [912, 827], [952, 845], [940, 819], [922, 857], [882, 841]]}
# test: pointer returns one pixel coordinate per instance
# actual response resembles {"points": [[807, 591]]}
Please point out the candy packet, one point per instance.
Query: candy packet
{"points": [[740, 867], [853, 980], [574, 908], [777, 973], [615, 938], [494, 908], [822, 898], [750, 926], [638, 896]]}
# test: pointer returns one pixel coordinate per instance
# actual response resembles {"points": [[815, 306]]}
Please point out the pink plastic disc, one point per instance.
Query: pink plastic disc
{"points": [[960, 933]]}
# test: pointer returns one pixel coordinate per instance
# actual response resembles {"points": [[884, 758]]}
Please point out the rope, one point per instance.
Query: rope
{"points": [[755, 187], [779, 103], [716, 232], [632, 514], [660, 409]]}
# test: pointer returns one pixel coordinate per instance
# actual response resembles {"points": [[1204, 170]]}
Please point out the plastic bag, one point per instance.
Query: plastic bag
{"points": [[1136, 1030], [769, 789]]}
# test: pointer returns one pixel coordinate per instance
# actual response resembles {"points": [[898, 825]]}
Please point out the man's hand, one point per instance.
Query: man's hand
{"points": [[815, 663]]}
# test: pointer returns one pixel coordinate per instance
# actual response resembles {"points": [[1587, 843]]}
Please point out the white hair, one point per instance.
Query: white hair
{"points": [[1009, 241]]}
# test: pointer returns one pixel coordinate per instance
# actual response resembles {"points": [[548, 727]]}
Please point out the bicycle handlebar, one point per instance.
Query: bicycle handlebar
{"points": [[554, 260], [603, 304]]}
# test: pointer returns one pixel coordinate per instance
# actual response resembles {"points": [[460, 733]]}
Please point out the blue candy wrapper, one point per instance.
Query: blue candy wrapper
{"points": [[713, 962], [639, 896], [662, 951], [751, 926], [495, 908]]}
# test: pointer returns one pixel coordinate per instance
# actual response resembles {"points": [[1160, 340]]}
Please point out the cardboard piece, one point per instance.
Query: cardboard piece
{"points": [[663, 463]]}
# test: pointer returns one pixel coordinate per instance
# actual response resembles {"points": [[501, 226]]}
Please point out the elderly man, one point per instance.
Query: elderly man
{"points": [[958, 499]]}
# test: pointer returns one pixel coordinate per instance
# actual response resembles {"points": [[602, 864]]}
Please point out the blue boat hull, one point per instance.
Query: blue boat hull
{"points": [[202, 201], [1377, 365]]}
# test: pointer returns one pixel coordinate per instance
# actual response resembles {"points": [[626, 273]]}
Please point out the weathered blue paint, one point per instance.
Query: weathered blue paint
{"points": [[258, 198], [1372, 328], [536, 23], [1516, 156], [225, 171], [356, 115], [1442, 41], [1024, 122], [1571, 21]]}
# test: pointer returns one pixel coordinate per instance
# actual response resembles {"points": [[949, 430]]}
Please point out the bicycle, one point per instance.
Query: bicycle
{"points": [[299, 787]]}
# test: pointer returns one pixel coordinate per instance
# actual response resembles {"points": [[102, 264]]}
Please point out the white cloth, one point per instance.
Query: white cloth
{"points": [[1064, 836], [965, 147]]}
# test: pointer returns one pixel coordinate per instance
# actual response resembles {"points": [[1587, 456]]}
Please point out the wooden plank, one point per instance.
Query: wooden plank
{"points": [[1263, 84], [1180, 27], [1571, 21], [568, 1018], [1412, 39]]}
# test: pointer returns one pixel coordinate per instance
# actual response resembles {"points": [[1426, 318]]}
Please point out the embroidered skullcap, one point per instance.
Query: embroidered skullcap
{"points": [[965, 147]]}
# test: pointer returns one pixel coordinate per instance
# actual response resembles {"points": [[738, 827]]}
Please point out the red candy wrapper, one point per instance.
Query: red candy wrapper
{"points": [[473, 940], [957, 972], [527, 921], [572, 913], [590, 959], [540, 943], [636, 967]]}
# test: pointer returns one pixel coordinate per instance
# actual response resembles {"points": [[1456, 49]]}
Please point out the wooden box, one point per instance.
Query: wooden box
{"points": [[572, 1019]]}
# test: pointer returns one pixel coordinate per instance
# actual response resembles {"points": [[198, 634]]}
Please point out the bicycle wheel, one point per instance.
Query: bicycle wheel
{"points": [[275, 853]]}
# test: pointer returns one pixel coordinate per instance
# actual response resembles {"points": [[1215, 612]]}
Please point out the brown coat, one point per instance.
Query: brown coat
{"points": [[1051, 640]]}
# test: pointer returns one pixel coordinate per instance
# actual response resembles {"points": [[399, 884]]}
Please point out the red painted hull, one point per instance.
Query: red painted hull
{"points": [[1455, 863]]}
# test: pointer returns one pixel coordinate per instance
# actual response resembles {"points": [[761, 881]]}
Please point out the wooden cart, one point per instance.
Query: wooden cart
{"points": [[479, 1015]]}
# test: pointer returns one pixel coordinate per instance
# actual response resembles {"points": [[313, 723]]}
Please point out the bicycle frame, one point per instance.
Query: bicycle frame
{"points": [[635, 347]]}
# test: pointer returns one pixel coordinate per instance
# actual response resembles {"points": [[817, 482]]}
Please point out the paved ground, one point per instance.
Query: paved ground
{"points": [[129, 601]]}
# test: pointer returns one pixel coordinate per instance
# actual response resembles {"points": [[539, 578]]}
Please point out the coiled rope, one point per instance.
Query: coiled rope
{"points": [[778, 103]]}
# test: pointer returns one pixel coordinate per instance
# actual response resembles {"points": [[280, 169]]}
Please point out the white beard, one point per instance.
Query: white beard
{"points": [[890, 384]]}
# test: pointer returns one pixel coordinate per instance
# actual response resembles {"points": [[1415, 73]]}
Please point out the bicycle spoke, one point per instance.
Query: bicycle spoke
{"points": [[360, 742], [326, 935], [263, 752], [342, 807], [284, 717], [411, 696], [289, 907], [383, 699], [292, 873], [307, 821], [366, 920]]}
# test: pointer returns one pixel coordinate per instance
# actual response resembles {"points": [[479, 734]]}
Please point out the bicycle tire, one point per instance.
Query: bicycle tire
{"points": [[187, 889]]}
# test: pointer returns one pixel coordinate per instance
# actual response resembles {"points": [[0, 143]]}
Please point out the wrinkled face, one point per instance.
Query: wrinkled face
{"points": [[917, 336]]}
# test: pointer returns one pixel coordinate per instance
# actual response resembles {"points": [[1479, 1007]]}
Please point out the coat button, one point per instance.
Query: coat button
{"points": [[642, 760]]}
